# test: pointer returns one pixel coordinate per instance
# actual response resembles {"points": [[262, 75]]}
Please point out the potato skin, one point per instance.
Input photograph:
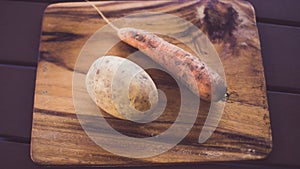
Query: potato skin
{"points": [[106, 84]]}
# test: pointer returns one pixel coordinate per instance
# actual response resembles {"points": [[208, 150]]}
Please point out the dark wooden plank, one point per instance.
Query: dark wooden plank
{"points": [[267, 10], [283, 108], [20, 37], [17, 155], [280, 51], [245, 113], [278, 11], [284, 111], [16, 99], [20, 31]]}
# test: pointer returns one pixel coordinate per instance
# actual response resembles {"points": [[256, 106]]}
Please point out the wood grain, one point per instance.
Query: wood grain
{"points": [[283, 156], [22, 23], [243, 132], [10, 152], [21, 154], [267, 11], [274, 60]]}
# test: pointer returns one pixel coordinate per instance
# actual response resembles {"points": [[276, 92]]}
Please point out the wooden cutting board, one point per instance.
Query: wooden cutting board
{"points": [[70, 29]]}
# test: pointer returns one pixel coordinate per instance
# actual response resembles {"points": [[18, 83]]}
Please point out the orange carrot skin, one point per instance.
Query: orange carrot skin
{"points": [[193, 72]]}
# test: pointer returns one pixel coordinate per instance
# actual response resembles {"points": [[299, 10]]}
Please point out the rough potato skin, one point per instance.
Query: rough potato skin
{"points": [[106, 84]]}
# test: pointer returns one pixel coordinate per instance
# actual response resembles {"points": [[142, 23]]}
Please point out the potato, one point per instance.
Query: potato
{"points": [[121, 88]]}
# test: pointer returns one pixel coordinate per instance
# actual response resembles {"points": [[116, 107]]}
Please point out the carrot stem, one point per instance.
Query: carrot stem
{"points": [[103, 16]]}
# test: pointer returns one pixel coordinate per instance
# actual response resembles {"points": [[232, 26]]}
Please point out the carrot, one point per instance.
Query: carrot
{"points": [[189, 69]]}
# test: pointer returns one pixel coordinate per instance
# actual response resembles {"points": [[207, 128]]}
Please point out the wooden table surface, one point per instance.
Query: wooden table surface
{"points": [[278, 24]]}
